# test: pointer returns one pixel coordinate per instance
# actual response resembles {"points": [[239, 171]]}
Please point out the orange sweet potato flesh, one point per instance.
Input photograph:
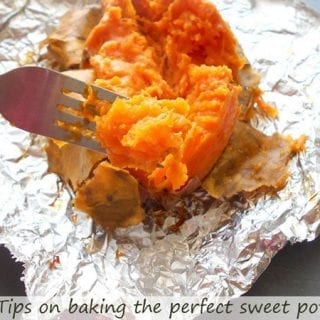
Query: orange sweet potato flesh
{"points": [[171, 140], [178, 62]]}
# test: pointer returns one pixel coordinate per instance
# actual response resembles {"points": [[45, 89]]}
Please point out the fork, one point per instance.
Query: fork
{"points": [[46, 102]]}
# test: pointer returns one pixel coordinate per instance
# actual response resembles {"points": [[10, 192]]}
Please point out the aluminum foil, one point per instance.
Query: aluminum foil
{"points": [[220, 253]]}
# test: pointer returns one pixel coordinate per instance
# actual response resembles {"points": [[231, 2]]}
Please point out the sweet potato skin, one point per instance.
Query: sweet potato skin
{"points": [[111, 197]]}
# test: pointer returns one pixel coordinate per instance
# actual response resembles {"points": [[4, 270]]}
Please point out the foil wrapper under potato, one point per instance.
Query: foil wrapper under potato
{"points": [[219, 253]]}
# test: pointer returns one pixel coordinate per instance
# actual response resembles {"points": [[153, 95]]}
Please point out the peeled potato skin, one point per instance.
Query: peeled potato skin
{"points": [[66, 43], [108, 194], [111, 197], [252, 160], [72, 163]]}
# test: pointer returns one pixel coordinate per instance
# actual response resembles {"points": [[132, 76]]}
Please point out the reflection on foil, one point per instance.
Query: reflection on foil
{"points": [[219, 253]]}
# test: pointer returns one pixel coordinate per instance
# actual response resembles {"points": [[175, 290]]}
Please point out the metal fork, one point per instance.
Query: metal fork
{"points": [[48, 103]]}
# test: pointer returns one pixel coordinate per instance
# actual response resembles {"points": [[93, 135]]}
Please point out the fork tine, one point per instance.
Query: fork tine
{"points": [[70, 102], [73, 85], [104, 94], [74, 120], [64, 135], [91, 144]]}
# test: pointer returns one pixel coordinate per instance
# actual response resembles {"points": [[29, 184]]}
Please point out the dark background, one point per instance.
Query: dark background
{"points": [[294, 271]]}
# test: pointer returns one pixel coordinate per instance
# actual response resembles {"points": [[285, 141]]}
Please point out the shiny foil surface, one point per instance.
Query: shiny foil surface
{"points": [[220, 253]]}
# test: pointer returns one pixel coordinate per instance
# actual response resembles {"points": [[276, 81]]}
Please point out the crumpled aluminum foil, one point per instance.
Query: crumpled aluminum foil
{"points": [[220, 253]]}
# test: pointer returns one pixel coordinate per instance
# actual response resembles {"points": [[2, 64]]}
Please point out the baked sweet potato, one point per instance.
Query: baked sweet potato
{"points": [[188, 84]]}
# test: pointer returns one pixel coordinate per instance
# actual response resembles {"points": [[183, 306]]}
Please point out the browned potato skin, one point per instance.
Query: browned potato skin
{"points": [[108, 194], [252, 161], [72, 163], [250, 99], [110, 197], [65, 44]]}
